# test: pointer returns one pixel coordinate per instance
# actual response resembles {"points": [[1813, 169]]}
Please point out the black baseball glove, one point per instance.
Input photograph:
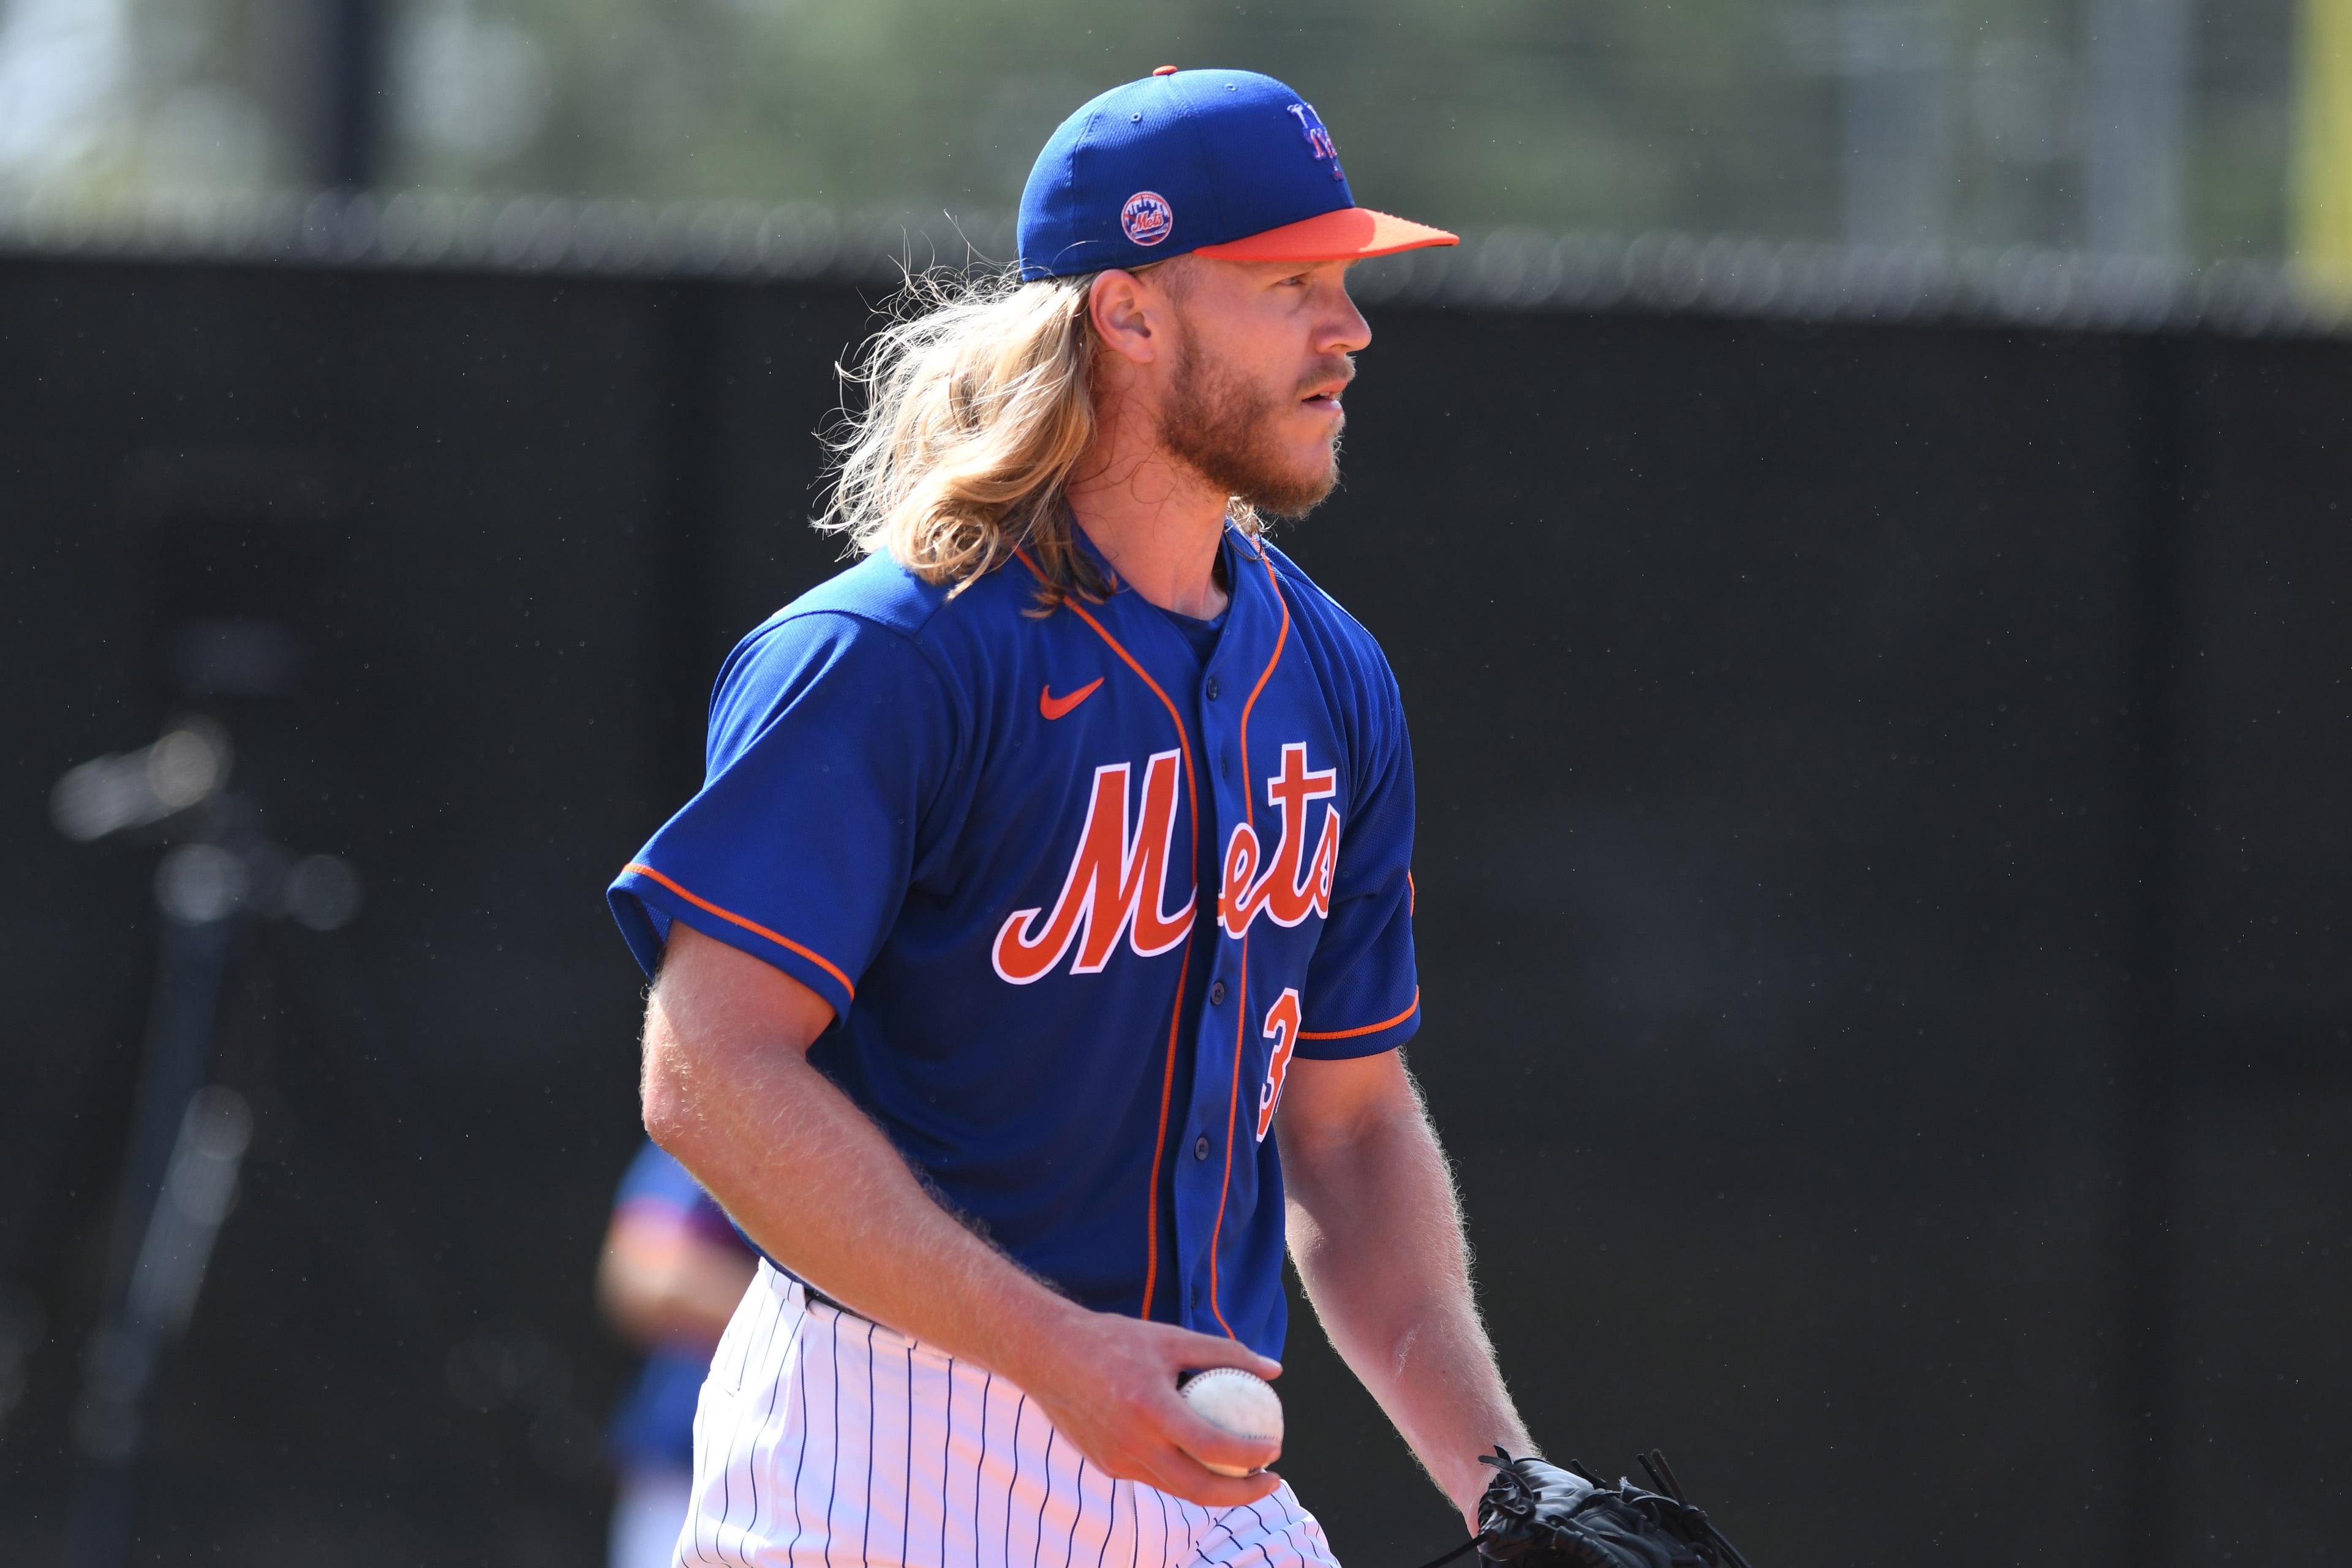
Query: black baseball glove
{"points": [[1536, 1515]]}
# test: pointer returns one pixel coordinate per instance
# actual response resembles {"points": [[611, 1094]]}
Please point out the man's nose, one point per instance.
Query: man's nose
{"points": [[1348, 332]]}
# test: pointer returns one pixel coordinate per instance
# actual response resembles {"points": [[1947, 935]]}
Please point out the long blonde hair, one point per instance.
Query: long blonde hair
{"points": [[978, 403]]}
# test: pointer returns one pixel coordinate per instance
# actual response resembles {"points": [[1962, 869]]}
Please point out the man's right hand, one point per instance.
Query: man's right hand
{"points": [[728, 1090], [1107, 1382]]}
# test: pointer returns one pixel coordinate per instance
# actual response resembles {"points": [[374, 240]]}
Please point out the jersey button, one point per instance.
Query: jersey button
{"points": [[1201, 1147], [1213, 689], [1217, 994]]}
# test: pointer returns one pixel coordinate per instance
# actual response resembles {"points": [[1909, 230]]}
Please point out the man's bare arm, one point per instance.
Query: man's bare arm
{"points": [[730, 1091], [1377, 1236]]}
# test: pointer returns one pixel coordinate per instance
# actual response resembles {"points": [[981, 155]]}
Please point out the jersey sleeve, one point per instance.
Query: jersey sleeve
{"points": [[829, 737], [1363, 994]]}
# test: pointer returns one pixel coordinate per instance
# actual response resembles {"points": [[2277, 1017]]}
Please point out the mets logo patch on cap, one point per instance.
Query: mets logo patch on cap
{"points": [[1318, 137], [1147, 218]]}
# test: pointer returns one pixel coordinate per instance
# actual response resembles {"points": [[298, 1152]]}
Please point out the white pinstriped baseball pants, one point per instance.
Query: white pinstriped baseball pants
{"points": [[824, 1441]]}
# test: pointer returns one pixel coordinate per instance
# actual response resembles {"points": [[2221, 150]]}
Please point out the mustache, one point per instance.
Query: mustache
{"points": [[1341, 370]]}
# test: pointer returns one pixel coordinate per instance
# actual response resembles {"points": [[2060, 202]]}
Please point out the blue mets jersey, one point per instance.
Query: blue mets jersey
{"points": [[974, 830]]}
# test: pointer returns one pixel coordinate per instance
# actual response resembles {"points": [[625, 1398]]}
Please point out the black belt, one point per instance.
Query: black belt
{"points": [[819, 1296]]}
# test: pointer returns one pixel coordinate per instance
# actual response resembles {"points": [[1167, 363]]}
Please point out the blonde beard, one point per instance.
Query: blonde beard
{"points": [[1215, 424]]}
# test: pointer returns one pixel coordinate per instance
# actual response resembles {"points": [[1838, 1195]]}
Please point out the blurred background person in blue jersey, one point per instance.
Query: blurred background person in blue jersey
{"points": [[673, 1271]]}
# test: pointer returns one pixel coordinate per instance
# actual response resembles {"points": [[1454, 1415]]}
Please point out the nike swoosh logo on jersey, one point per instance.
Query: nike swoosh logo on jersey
{"points": [[1053, 707]]}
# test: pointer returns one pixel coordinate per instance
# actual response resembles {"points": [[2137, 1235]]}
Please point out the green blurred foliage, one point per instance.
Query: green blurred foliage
{"points": [[1482, 111], [1616, 115]]}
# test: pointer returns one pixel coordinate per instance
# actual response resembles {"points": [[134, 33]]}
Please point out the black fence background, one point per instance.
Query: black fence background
{"points": [[1885, 838]]}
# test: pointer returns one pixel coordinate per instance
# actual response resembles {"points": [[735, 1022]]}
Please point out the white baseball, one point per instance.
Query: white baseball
{"points": [[1237, 1402]]}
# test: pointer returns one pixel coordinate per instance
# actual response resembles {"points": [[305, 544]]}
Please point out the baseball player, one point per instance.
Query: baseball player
{"points": [[1033, 963], [672, 1273]]}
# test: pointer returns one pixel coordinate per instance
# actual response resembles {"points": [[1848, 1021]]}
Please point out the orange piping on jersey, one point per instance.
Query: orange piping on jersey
{"points": [[753, 926], [1159, 1138], [1240, 1002], [1367, 1029], [1411, 898], [1183, 970], [1232, 1105]]}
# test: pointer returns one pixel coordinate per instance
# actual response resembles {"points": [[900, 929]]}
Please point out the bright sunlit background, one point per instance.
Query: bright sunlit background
{"points": [[2192, 132]]}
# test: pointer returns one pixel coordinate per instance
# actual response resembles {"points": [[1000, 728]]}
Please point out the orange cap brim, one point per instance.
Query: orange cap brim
{"points": [[1332, 237]]}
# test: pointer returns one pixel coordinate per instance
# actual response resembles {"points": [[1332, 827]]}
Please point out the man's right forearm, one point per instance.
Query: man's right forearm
{"points": [[728, 1090], [821, 1190]]}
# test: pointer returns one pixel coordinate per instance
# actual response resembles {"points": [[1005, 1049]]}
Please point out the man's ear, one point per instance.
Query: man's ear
{"points": [[1129, 315]]}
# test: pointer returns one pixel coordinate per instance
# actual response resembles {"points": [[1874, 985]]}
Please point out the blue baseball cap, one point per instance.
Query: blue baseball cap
{"points": [[1211, 163]]}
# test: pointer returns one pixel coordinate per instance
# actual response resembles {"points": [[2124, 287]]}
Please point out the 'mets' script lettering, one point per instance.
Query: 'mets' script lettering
{"points": [[1116, 886], [1279, 890], [1116, 890]]}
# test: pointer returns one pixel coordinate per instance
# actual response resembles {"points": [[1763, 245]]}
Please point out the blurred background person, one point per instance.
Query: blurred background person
{"points": [[672, 1272]]}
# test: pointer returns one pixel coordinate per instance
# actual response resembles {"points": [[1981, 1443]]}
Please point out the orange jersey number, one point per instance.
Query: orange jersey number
{"points": [[1281, 1028]]}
